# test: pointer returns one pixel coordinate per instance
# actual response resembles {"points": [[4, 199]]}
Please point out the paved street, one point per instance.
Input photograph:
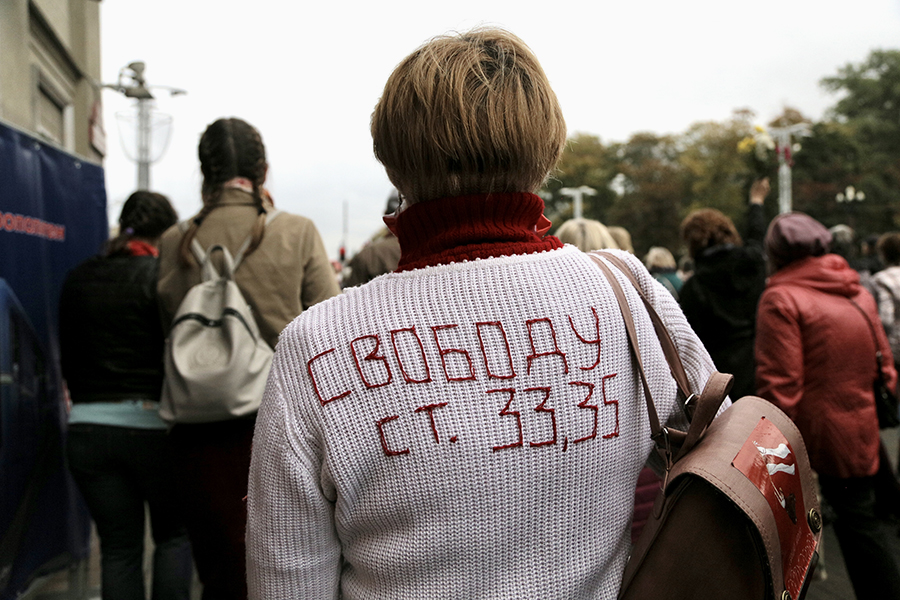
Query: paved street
{"points": [[837, 586]]}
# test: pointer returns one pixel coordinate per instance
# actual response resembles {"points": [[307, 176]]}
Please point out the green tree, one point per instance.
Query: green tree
{"points": [[585, 161], [871, 99], [652, 188], [869, 106], [719, 172], [829, 161]]}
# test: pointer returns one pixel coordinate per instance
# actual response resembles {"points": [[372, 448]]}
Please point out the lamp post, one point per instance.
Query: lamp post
{"points": [[847, 198], [132, 84], [577, 194], [782, 137]]}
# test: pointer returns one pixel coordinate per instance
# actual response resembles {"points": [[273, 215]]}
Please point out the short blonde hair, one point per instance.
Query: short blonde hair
{"points": [[586, 235], [659, 258], [622, 237], [467, 114]]}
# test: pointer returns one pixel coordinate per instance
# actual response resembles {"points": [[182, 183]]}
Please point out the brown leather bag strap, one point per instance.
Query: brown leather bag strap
{"points": [[665, 340], [717, 387], [656, 431], [672, 444]]}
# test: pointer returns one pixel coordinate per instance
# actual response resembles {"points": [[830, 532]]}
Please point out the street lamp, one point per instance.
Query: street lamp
{"points": [[847, 198], [132, 84], [782, 137], [851, 194], [577, 195]]}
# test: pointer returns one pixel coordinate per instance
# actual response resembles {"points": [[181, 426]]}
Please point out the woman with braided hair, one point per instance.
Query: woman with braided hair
{"points": [[111, 346], [284, 271]]}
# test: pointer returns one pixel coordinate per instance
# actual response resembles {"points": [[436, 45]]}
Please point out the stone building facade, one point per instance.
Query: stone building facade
{"points": [[50, 73]]}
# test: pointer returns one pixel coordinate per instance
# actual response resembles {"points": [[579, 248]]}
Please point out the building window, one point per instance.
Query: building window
{"points": [[51, 116]]}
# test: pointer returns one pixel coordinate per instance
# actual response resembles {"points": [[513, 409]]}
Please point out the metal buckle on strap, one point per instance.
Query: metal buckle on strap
{"points": [[689, 406], [664, 444]]}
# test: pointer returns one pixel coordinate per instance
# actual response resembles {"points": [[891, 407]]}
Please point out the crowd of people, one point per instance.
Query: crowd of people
{"points": [[461, 419]]}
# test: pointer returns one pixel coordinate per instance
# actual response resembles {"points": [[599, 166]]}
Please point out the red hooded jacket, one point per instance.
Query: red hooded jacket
{"points": [[815, 359]]}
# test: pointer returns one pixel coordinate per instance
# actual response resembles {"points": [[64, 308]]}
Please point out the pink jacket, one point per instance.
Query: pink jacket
{"points": [[815, 359]]}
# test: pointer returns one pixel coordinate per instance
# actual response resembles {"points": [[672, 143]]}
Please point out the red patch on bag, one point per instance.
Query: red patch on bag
{"points": [[768, 461]]}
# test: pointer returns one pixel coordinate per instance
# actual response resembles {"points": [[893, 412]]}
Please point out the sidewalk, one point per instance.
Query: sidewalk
{"points": [[83, 582], [837, 585]]}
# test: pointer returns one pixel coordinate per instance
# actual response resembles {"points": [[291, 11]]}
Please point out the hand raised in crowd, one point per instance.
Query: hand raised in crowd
{"points": [[759, 190]]}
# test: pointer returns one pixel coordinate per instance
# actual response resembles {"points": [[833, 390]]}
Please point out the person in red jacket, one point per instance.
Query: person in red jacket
{"points": [[815, 356]]}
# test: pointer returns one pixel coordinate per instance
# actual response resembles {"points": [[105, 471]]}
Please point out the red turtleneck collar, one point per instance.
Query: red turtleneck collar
{"points": [[448, 230]]}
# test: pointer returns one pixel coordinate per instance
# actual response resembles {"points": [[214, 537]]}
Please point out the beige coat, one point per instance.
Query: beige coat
{"points": [[288, 272]]}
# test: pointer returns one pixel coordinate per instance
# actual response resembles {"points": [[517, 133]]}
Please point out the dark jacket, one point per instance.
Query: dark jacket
{"points": [[376, 258], [111, 340], [720, 299]]}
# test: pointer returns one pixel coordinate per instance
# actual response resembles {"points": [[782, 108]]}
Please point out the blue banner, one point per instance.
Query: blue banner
{"points": [[52, 216]]}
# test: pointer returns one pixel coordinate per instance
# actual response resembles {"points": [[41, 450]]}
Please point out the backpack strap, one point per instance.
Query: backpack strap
{"points": [[659, 434], [208, 270], [196, 248], [239, 255], [201, 255]]}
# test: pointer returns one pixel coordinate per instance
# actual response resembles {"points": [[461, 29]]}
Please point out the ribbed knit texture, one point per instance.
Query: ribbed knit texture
{"points": [[439, 232], [368, 485], [468, 427]]}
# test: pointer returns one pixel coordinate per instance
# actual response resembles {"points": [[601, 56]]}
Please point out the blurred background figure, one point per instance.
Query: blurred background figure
{"points": [[844, 244], [719, 299], [586, 235], [111, 344], [622, 237], [887, 289], [661, 264], [869, 257], [816, 360], [380, 255], [685, 268], [285, 270]]}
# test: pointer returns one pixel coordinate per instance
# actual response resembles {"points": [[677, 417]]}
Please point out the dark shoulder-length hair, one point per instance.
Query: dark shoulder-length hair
{"points": [[144, 215]]}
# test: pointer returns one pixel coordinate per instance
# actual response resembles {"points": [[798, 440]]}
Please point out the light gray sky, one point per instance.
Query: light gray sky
{"points": [[307, 74]]}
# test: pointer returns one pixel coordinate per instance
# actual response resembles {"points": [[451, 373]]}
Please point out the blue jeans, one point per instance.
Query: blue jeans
{"points": [[118, 470]]}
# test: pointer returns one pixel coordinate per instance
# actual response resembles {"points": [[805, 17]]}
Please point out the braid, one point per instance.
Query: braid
{"points": [[258, 169], [184, 248], [229, 148]]}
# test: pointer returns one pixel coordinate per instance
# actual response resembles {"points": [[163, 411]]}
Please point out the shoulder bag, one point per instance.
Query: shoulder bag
{"points": [[887, 404], [737, 516]]}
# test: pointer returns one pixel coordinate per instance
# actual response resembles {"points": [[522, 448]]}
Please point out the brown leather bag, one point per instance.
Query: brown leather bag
{"points": [[737, 515]]}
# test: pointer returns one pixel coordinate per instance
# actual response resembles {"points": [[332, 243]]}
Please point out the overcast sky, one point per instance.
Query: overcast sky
{"points": [[307, 74]]}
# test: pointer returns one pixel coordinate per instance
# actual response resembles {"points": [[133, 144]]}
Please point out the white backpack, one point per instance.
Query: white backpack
{"points": [[216, 361]]}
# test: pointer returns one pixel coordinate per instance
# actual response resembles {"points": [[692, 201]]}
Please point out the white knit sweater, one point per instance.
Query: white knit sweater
{"points": [[472, 430]]}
